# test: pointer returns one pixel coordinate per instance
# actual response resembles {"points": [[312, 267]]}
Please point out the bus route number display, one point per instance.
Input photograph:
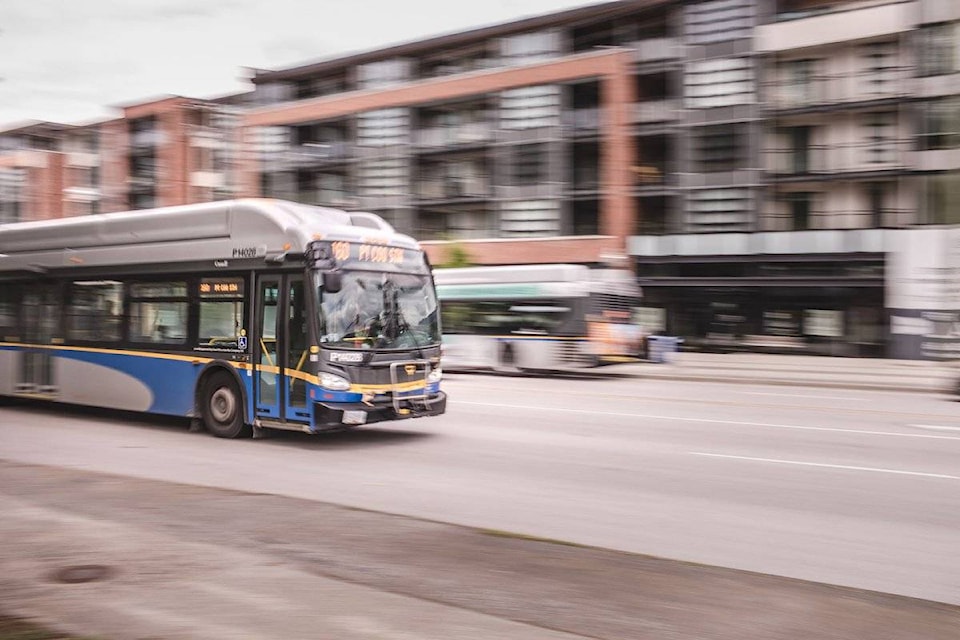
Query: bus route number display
{"points": [[375, 253], [221, 287]]}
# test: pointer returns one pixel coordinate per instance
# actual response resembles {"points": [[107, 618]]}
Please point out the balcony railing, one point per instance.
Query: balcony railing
{"points": [[450, 189], [656, 49], [656, 111], [313, 154], [886, 84], [583, 120], [141, 139], [454, 136], [883, 155]]}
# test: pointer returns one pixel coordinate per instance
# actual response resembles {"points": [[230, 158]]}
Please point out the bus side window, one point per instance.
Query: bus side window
{"points": [[94, 310], [9, 305], [221, 312], [158, 312]]}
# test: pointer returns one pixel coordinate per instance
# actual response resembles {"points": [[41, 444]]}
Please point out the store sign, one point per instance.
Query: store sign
{"points": [[827, 323], [781, 323]]}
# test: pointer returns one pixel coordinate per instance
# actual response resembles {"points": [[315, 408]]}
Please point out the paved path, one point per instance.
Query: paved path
{"points": [[201, 563]]}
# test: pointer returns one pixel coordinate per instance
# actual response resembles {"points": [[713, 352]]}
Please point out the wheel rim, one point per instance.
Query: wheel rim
{"points": [[223, 405]]}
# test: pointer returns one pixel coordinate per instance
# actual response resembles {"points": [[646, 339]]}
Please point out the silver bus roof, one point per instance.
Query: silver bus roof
{"points": [[225, 230]]}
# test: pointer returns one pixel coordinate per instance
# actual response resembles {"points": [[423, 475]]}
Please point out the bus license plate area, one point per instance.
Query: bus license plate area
{"points": [[354, 417]]}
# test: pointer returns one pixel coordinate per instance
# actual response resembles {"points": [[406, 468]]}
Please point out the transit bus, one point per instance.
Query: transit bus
{"points": [[244, 315], [550, 317]]}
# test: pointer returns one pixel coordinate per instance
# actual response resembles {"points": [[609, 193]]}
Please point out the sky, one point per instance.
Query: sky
{"points": [[75, 61]]}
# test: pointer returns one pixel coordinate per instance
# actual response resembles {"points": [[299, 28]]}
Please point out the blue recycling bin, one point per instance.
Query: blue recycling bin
{"points": [[660, 349]]}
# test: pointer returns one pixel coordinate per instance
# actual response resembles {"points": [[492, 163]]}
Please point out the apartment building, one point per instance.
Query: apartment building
{"points": [[167, 151], [850, 248], [532, 141], [31, 171]]}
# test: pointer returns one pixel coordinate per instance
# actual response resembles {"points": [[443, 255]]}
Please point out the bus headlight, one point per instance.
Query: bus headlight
{"points": [[435, 375], [334, 382]]}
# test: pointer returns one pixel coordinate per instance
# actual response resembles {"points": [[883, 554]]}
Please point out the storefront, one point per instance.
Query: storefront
{"points": [[819, 292]]}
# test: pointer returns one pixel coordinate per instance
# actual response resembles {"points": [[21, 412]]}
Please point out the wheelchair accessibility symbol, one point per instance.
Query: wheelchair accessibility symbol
{"points": [[242, 342]]}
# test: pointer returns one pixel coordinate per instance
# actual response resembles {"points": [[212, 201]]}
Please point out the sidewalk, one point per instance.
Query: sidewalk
{"points": [[801, 370], [194, 563]]}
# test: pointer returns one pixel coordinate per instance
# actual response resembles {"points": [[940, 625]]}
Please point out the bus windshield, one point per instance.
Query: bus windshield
{"points": [[379, 310]]}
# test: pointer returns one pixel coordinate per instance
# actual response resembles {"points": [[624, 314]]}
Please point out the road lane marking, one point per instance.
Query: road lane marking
{"points": [[828, 466], [712, 421], [906, 415], [935, 427], [796, 395]]}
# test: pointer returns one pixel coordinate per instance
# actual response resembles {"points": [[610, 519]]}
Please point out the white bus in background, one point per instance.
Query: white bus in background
{"points": [[551, 317]]}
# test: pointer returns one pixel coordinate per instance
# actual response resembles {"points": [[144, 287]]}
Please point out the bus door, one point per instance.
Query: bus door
{"points": [[41, 316], [281, 349]]}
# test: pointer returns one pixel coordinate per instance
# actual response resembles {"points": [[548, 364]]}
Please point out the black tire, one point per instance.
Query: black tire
{"points": [[222, 407]]}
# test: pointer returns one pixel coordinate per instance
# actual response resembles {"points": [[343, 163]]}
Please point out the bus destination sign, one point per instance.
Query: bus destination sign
{"points": [[368, 253]]}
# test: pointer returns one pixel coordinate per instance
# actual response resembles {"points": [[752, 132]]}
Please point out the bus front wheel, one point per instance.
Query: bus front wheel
{"points": [[223, 407]]}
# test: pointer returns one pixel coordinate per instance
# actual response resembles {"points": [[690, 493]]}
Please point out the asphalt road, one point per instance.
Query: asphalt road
{"points": [[843, 487]]}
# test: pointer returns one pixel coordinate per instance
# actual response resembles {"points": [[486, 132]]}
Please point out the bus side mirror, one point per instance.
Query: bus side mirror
{"points": [[332, 281]]}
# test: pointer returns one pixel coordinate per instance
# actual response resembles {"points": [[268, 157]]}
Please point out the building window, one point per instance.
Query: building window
{"points": [[876, 196], [530, 107], [801, 209], [530, 218], [938, 49], [530, 165], [383, 127], [526, 48], [940, 124], [383, 73], [389, 177], [721, 147], [719, 210], [12, 184], [719, 21], [881, 144], [880, 70], [942, 198], [721, 82], [798, 84]]}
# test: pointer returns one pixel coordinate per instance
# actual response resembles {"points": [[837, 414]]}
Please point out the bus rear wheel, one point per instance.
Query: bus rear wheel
{"points": [[222, 407]]}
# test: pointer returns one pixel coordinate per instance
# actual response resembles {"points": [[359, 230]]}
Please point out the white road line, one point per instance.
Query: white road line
{"points": [[935, 427], [828, 466], [796, 395], [710, 421]]}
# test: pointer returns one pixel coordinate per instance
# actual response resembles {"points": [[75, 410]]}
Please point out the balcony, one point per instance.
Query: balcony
{"points": [[81, 194], [840, 161], [656, 50], [583, 120], [654, 111], [844, 91], [83, 159], [141, 140], [800, 29], [314, 154], [207, 137], [452, 189], [456, 136]]}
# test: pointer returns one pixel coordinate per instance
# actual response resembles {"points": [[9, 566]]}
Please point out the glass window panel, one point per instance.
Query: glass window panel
{"points": [[95, 310]]}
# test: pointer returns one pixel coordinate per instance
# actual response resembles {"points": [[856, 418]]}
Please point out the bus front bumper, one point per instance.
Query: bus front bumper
{"points": [[337, 415]]}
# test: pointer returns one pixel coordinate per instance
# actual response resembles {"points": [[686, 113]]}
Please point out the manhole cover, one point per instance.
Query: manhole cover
{"points": [[82, 573]]}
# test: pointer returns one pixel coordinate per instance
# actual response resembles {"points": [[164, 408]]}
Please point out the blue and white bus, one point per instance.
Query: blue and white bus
{"points": [[244, 314], [548, 317]]}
